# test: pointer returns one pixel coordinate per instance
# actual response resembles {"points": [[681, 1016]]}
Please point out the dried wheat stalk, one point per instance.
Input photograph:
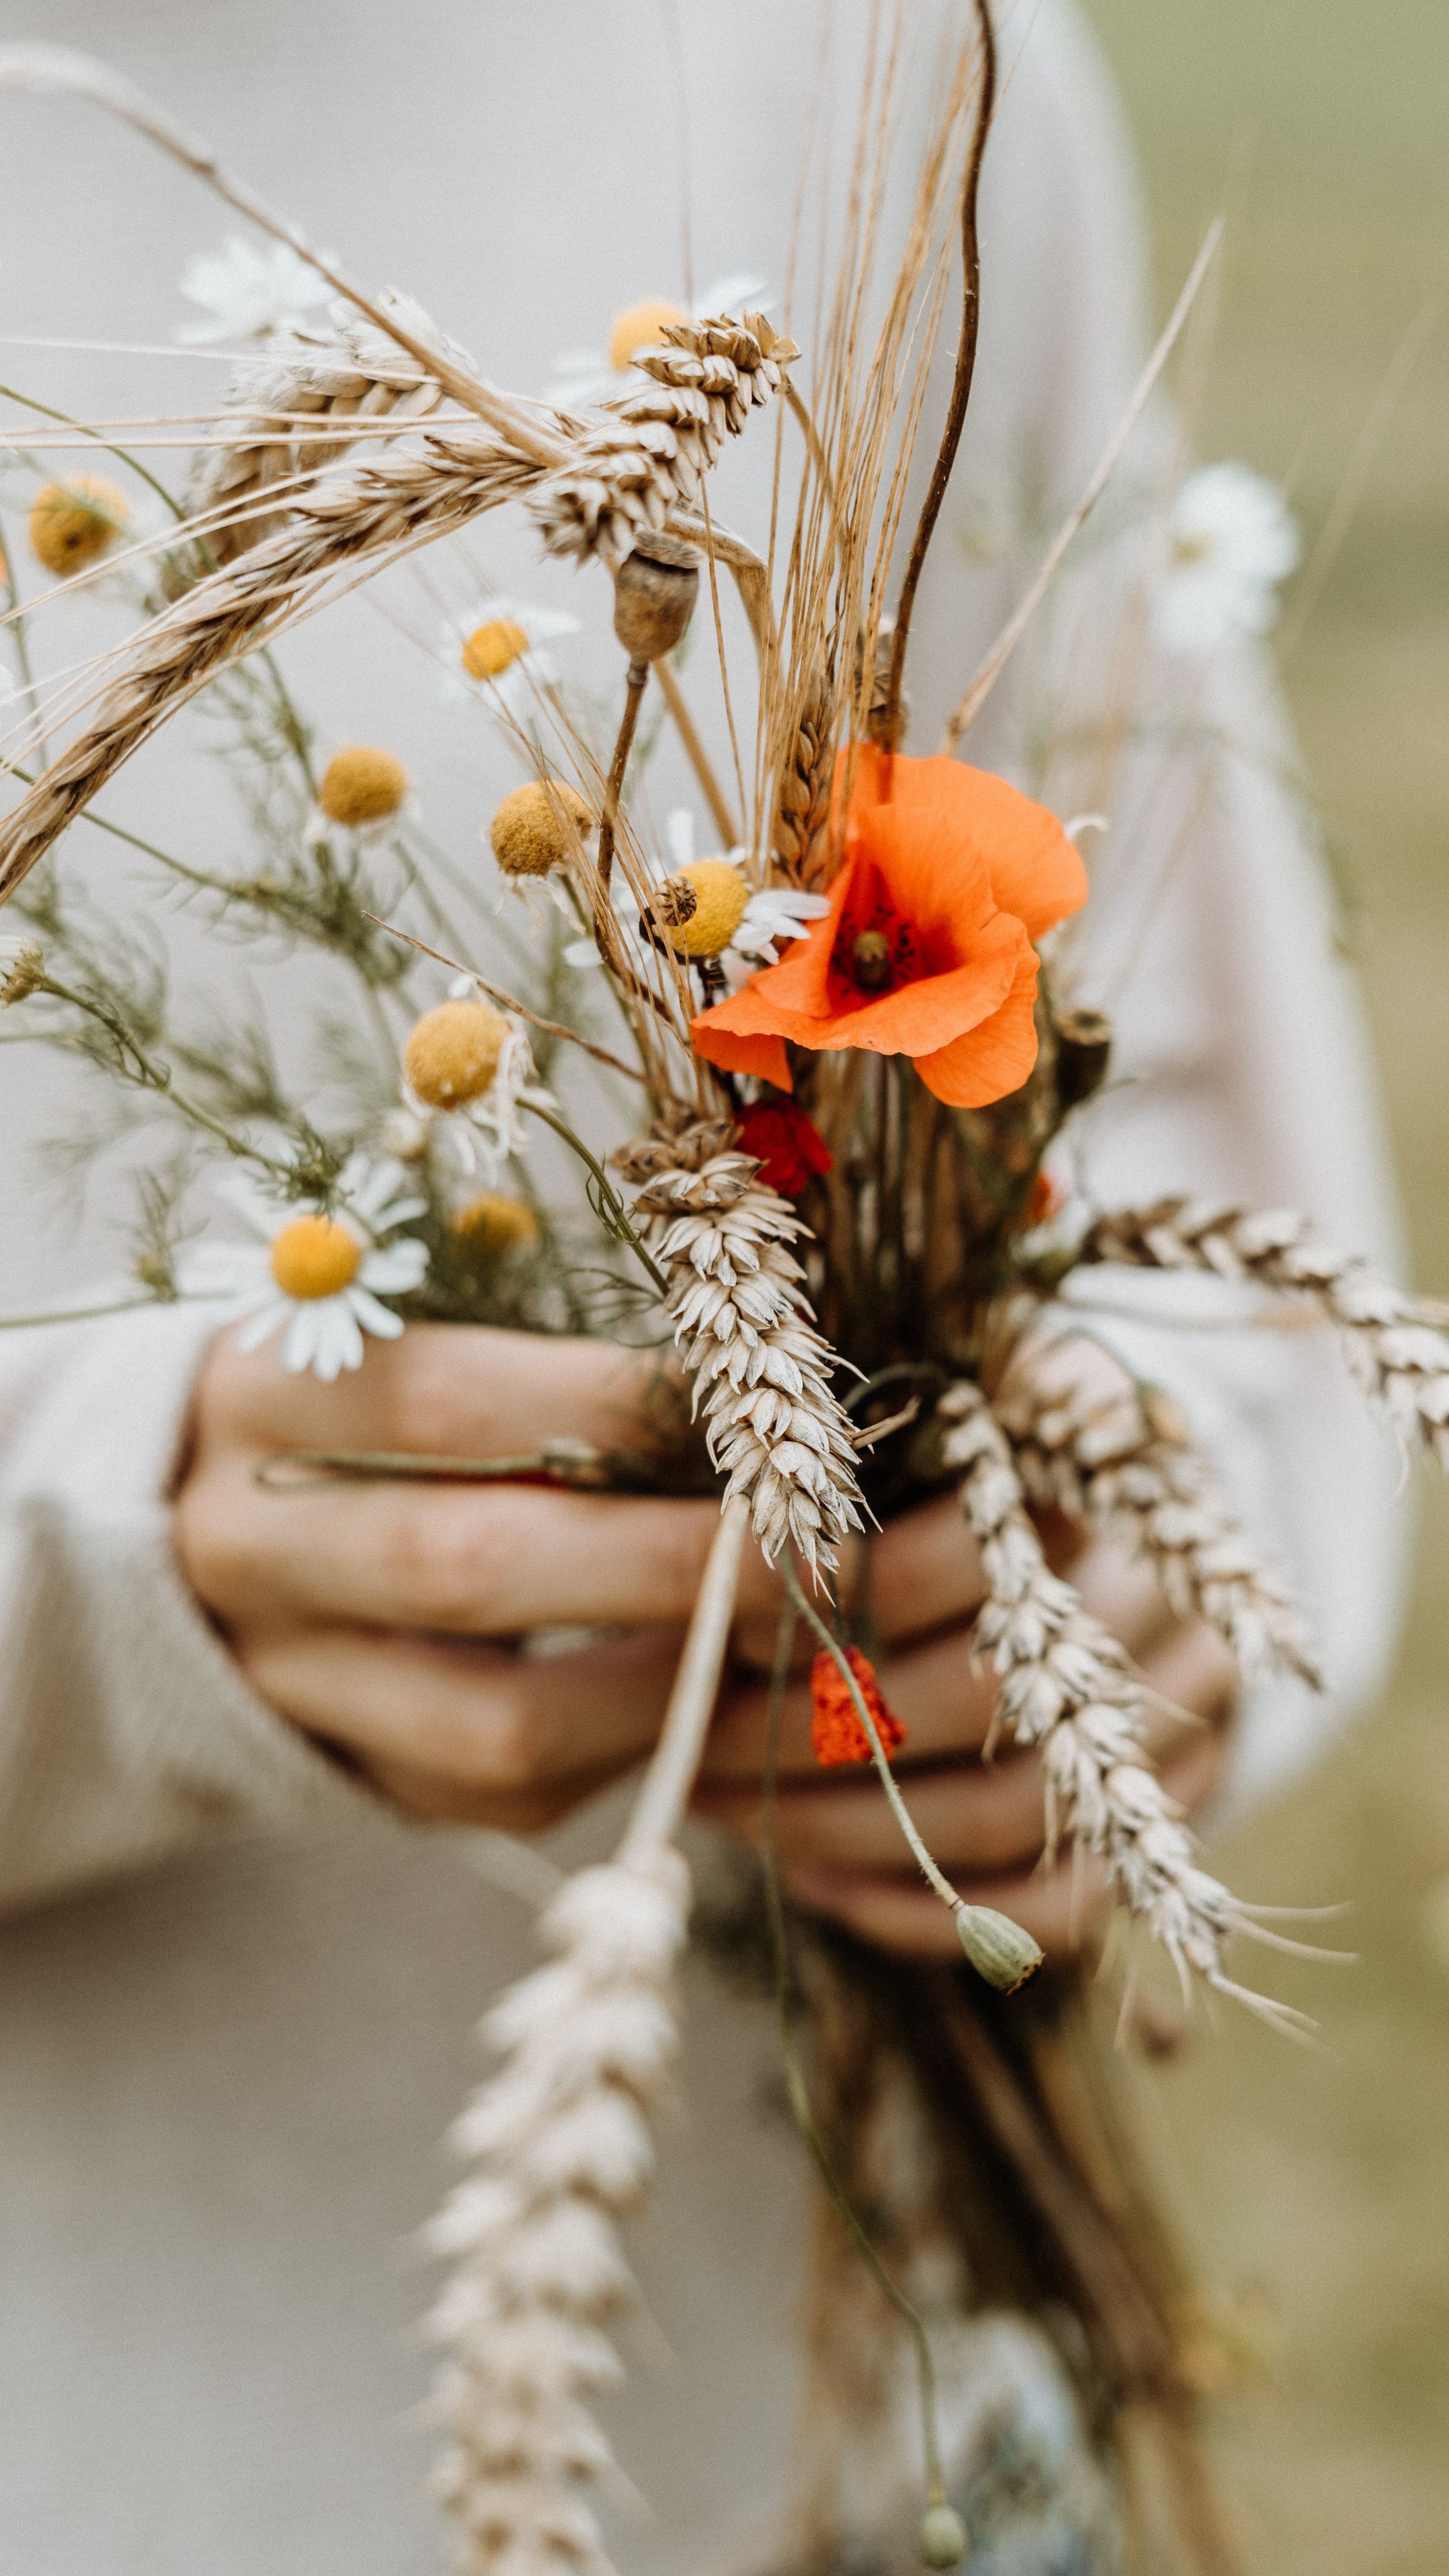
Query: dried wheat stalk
{"points": [[800, 837], [642, 458], [561, 2138], [1396, 1355], [748, 1337], [1123, 1463], [347, 374], [1067, 1688]]}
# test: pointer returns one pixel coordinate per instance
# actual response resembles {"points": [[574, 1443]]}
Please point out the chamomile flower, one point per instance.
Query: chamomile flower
{"points": [[315, 1274], [710, 911], [583, 377], [468, 1067], [248, 291], [499, 652], [1231, 541]]}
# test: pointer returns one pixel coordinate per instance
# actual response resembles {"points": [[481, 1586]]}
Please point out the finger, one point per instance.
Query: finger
{"points": [[470, 1726], [455, 1390], [942, 1695], [923, 1571], [483, 1560], [976, 1817]]}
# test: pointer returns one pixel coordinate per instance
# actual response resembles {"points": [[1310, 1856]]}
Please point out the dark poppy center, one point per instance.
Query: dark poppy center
{"points": [[875, 950]]}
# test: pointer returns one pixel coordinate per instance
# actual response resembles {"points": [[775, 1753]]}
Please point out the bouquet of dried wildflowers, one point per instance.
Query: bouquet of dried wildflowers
{"points": [[843, 1052]]}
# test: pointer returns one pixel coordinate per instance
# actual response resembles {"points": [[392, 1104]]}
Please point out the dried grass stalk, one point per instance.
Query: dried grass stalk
{"points": [[1067, 1688], [1395, 1354], [748, 1337], [1123, 1463]]}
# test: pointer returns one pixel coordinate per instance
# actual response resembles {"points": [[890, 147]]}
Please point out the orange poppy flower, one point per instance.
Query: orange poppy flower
{"points": [[836, 1733], [948, 877]]}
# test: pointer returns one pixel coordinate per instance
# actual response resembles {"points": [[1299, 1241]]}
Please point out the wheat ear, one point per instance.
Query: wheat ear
{"points": [[1067, 1688], [336, 379], [761, 1371], [1398, 1357], [636, 462], [1123, 1463], [561, 2145], [800, 836]]}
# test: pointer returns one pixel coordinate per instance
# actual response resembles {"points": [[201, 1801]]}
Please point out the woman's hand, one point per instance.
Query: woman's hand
{"points": [[385, 1619]]}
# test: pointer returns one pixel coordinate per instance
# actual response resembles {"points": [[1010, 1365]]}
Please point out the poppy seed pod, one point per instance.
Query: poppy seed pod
{"points": [[655, 589]]}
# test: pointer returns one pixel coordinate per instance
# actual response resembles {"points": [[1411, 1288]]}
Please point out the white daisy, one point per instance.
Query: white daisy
{"points": [[1231, 540], [318, 1273], [583, 377], [249, 291], [775, 913], [499, 653]]}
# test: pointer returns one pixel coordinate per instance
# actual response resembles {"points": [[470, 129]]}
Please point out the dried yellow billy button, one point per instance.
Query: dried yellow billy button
{"points": [[73, 524], [452, 1054], [492, 1225], [362, 784], [699, 910], [537, 827]]}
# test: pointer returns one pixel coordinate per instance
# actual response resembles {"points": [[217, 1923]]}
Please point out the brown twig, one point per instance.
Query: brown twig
{"points": [[889, 722], [634, 696], [507, 1001]]}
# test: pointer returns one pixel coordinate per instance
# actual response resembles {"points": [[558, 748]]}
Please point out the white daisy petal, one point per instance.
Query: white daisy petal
{"points": [[393, 1268], [679, 833], [264, 1323], [365, 1310]]}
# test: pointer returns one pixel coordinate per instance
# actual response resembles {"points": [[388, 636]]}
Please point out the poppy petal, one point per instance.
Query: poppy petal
{"points": [[993, 1059], [737, 1050], [1036, 872]]}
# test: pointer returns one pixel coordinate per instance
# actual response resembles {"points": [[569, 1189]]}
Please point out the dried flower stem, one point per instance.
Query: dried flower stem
{"points": [[699, 759]]}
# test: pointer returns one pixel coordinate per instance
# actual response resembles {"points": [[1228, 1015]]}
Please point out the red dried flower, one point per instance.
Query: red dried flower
{"points": [[835, 1728], [789, 1145]]}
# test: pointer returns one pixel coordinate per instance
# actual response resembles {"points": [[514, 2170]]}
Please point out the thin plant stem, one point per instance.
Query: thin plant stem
{"points": [[890, 721], [614, 1210], [15, 620], [508, 1001], [806, 1610], [795, 2083], [699, 759], [638, 681], [659, 1808], [149, 1075]]}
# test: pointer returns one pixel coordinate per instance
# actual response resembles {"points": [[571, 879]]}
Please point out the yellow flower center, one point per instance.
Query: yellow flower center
{"points": [[492, 648], [314, 1256], [72, 524], [452, 1054], [492, 1225], [361, 784], [539, 825], [638, 327], [720, 897]]}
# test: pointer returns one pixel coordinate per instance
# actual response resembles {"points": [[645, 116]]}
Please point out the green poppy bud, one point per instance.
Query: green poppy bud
{"points": [[943, 2538], [997, 1948]]}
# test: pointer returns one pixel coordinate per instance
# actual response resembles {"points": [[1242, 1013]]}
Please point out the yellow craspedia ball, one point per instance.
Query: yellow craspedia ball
{"points": [[314, 1256], [720, 897], [537, 827], [638, 327], [492, 1225], [452, 1054], [362, 784], [72, 524], [494, 647]]}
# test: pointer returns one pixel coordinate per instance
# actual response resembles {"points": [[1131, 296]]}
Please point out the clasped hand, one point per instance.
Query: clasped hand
{"points": [[386, 1620]]}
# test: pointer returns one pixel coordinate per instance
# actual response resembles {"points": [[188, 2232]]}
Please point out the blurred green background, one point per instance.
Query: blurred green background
{"points": [[1316, 2187]]}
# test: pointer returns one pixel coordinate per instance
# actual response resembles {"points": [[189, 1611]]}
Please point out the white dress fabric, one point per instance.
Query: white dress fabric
{"points": [[236, 1999]]}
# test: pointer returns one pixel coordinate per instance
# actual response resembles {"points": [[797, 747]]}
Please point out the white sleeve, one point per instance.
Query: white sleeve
{"points": [[126, 1730], [1241, 1068]]}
